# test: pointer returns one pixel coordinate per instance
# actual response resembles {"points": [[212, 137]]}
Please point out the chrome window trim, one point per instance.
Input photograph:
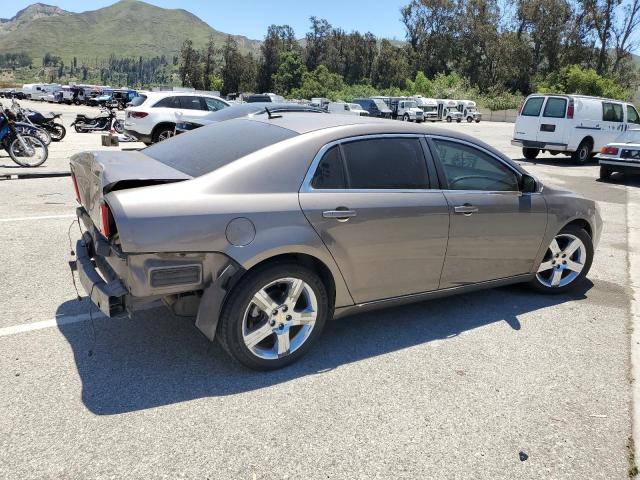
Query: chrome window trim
{"points": [[306, 183]]}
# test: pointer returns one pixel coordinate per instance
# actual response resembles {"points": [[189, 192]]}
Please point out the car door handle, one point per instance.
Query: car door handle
{"points": [[465, 209], [340, 214]]}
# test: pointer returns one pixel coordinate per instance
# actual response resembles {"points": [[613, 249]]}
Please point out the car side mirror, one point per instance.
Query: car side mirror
{"points": [[528, 184]]}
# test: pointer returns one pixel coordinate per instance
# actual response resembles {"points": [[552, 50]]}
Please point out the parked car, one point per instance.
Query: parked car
{"points": [[301, 217], [153, 118], [343, 108], [244, 110], [575, 125], [622, 156], [264, 97], [375, 107]]}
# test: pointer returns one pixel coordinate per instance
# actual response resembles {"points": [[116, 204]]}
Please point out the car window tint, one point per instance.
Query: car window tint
{"points": [[467, 168], [213, 104], [330, 171], [632, 115], [555, 107], [532, 107], [386, 163], [190, 103], [208, 148], [612, 112], [168, 102]]}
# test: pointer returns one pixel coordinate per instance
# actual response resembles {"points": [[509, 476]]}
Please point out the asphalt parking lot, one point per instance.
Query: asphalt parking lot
{"points": [[498, 384]]}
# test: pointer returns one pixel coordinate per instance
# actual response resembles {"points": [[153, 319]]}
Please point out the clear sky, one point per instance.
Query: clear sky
{"points": [[252, 17]]}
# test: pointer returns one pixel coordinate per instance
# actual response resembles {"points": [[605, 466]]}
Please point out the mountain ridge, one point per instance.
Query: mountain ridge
{"points": [[127, 28]]}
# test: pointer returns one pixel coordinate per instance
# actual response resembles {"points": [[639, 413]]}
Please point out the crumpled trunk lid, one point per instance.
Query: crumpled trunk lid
{"points": [[98, 173]]}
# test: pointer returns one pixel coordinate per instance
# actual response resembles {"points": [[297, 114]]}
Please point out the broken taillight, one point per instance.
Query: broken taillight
{"points": [[107, 224]]}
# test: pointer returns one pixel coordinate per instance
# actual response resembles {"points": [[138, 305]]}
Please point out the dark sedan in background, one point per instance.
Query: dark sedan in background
{"points": [[246, 110]]}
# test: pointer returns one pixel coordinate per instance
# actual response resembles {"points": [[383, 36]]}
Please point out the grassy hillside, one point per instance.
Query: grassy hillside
{"points": [[127, 28]]}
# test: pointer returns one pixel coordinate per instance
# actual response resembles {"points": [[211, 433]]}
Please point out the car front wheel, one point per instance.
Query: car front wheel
{"points": [[566, 262], [274, 316]]}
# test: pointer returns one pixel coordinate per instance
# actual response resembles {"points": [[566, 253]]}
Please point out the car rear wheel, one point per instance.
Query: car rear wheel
{"points": [[163, 133], [273, 316], [566, 261], [530, 153], [605, 172], [583, 153]]}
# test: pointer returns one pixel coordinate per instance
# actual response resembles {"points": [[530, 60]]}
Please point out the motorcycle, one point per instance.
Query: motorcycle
{"points": [[103, 122], [29, 129], [25, 150], [48, 123]]}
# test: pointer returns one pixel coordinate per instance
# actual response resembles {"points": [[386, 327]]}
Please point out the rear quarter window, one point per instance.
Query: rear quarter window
{"points": [[169, 102], [208, 148], [532, 107]]}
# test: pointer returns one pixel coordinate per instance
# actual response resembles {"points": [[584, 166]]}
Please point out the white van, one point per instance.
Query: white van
{"points": [[346, 109], [38, 91], [576, 125]]}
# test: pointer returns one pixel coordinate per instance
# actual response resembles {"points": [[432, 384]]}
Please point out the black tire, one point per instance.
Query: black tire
{"points": [[458, 120], [406, 118], [605, 172], [583, 154], [162, 131], [477, 120], [580, 233], [469, 119], [57, 132], [79, 129], [448, 119], [530, 153], [230, 325], [118, 126]]}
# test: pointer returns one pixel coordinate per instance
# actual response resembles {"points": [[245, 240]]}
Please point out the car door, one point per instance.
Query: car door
{"points": [[612, 121], [632, 118], [496, 231], [371, 202], [192, 109], [552, 122]]}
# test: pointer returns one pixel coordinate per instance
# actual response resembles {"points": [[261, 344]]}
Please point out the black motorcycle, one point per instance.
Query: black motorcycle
{"points": [[103, 122], [44, 122], [25, 150]]}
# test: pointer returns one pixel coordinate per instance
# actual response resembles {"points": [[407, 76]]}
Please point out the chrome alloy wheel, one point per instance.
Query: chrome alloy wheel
{"points": [[279, 319], [165, 135], [563, 261]]}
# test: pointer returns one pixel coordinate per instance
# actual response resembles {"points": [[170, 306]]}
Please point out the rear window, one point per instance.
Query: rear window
{"points": [[208, 148], [532, 107], [555, 107], [168, 102]]}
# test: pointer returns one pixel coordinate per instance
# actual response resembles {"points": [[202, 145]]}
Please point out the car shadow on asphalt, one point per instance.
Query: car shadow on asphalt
{"points": [[157, 359]]}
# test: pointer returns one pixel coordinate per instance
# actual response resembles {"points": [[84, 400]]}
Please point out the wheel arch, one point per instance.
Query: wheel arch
{"points": [[160, 125], [582, 223]]}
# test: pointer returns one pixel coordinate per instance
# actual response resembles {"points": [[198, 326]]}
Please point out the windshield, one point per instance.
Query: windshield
{"points": [[429, 108], [355, 106], [208, 148], [137, 101], [381, 105], [410, 104]]}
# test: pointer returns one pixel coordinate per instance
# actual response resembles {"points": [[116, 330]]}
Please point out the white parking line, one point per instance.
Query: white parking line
{"points": [[63, 320], [43, 217]]}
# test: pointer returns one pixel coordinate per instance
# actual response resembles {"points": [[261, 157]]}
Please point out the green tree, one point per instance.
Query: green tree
{"points": [[319, 83], [391, 67], [289, 74], [279, 40]]}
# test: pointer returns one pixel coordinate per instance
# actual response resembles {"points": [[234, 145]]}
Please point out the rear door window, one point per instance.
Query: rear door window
{"points": [[386, 163], [555, 107], [191, 103], [532, 107], [612, 112]]}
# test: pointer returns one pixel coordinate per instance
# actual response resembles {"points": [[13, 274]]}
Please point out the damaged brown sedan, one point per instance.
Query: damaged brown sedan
{"points": [[264, 228]]}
